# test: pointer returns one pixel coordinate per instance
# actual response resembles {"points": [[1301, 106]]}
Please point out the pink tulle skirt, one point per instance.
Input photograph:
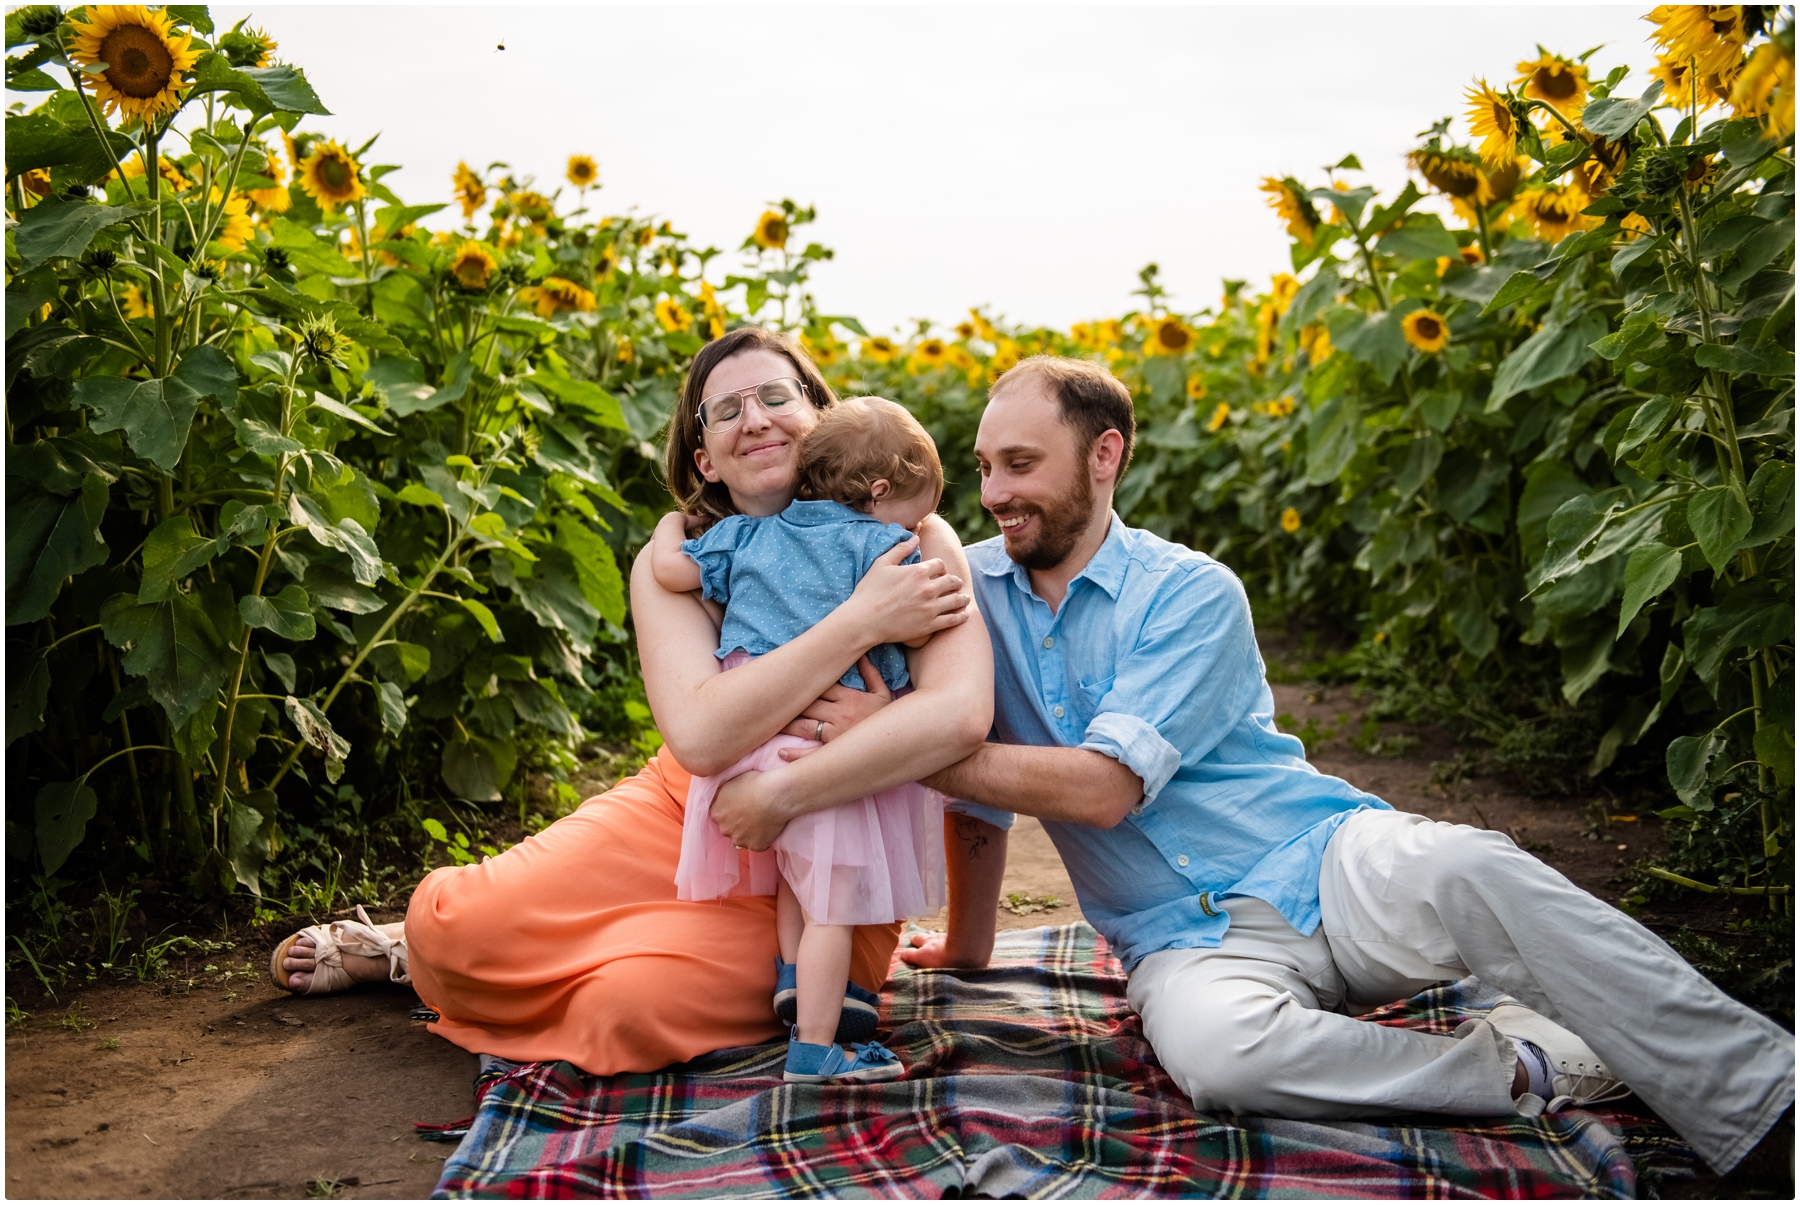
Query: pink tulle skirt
{"points": [[871, 861]]}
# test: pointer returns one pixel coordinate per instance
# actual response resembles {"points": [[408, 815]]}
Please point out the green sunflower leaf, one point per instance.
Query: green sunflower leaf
{"points": [[63, 812], [173, 645], [55, 228], [155, 415], [287, 614], [50, 537], [1651, 569]]}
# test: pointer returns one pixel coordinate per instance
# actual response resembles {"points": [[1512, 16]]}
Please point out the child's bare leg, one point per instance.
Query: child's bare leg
{"points": [[790, 922], [824, 958]]}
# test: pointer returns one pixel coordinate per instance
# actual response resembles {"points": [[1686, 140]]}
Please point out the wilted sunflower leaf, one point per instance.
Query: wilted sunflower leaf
{"points": [[317, 731], [249, 826], [1689, 762], [347, 536]]}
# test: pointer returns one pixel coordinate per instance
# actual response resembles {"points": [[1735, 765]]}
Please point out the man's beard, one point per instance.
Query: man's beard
{"points": [[1060, 525]]}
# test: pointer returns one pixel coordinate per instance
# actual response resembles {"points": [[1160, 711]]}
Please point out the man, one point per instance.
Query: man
{"points": [[1255, 902]]}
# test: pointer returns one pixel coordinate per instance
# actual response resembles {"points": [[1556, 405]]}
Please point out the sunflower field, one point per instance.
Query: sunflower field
{"points": [[318, 499]]}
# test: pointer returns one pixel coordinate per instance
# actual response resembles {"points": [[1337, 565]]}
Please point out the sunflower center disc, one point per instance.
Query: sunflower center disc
{"points": [[1559, 85], [334, 173], [138, 64]]}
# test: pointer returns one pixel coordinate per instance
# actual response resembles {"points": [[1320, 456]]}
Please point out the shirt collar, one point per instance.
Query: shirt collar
{"points": [[1106, 570], [816, 512]]}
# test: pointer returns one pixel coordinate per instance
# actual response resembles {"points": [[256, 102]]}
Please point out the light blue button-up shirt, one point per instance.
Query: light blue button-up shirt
{"points": [[1152, 659]]}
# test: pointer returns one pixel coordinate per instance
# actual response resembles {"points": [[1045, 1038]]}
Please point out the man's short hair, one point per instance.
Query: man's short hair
{"points": [[1093, 401]]}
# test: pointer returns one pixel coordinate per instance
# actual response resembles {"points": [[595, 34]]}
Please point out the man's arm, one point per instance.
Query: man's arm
{"points": [[975, 858], [1077, 786]]}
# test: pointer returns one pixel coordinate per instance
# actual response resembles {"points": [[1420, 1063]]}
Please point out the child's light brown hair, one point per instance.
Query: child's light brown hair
{"points": [[862, 440]]}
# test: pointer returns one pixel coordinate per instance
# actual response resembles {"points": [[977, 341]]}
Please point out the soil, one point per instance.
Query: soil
{"points": [[216, 1084]]}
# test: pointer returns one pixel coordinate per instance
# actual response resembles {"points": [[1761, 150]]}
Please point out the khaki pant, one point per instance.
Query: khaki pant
{"points": [[1259, 1024]]}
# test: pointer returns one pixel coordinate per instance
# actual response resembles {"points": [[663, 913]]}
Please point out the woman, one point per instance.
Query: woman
{"points": [[572, 945]]}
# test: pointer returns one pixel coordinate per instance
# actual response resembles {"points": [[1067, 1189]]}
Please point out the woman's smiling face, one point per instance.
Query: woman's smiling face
{"points": [[758, 459]]}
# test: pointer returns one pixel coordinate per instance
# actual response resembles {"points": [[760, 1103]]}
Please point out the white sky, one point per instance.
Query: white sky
{"points": [[1031, 159]]}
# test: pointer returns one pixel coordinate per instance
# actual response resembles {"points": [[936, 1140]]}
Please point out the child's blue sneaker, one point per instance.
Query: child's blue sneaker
{"points": [[863, 1063], [856, 1023]]}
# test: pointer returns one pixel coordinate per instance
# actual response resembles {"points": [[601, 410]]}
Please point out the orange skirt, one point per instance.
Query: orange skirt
{"points": [[572, 945]]}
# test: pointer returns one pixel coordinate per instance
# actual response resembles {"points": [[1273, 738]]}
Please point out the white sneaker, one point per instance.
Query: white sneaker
{"points": [[1577, 1075]]}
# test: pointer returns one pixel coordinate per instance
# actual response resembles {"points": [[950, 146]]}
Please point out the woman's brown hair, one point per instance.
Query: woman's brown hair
{"points": [[694, 494]]}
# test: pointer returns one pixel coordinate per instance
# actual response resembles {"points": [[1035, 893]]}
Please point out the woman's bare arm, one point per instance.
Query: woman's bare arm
{"points": [[710, 720], [944, 719]]}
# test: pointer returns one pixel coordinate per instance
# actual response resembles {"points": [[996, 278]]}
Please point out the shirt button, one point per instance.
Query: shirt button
{"points": [[1057, 711], [1181, 861], [1049, 642], [1138, 810]]}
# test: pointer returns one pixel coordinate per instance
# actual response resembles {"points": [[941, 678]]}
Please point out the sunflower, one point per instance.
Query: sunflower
{"points": [[1492, 120], [965, 330], [133, 167], [1006, 354], [145, 59], [1711, 35], [771, 233], [1558, 82], [880, 349], [247, 47], [471, 192], [1288, 199], [135, 303], [274, 199], [1316, 342], [673, 317], [624, 353], [1196, 387], [235, 226], [1456, 173], [929, 354], [1265, 333], [1167, 336], [37, 181], [531, 206], [473, 266], [1426, 331], [1673, 72], [825, 350], [1290, 520], [1635, 226], [553, 295], [1765, 88], [583, 172], [1220, 416], [1555, 212], [1503, 181], [1281, 291], [983, 327], [331, 176], [959, 358]]}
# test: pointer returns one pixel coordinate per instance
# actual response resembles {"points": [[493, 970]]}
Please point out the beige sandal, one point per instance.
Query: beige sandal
{"points": [[330, 943]]}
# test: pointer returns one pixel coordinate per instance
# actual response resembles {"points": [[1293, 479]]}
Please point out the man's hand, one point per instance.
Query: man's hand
{"points": [[932, 950], [745, 812], [839, 709]]}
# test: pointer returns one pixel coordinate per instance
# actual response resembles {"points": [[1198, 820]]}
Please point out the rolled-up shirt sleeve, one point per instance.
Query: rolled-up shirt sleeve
{"points": [[980, 811], [1185, 684]]}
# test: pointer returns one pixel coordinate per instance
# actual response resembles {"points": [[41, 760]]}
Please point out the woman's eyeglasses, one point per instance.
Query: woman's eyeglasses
{"points": [[721, 411]]}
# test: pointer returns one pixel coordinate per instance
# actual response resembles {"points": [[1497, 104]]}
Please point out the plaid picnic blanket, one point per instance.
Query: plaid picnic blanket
{"points": [[1031, 1079]]}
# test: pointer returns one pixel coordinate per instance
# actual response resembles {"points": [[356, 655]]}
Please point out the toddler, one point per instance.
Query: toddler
{"points": [[869, 474]]}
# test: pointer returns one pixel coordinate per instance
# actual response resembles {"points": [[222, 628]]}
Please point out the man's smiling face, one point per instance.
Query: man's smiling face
{"points": [[1034, 480]]}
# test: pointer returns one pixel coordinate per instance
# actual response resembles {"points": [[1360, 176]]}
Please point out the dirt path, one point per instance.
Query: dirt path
{"points": [[218, 1085]]}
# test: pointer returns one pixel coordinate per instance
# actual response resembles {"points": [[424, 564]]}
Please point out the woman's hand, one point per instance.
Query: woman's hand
{"points": [[744, 812], [905, 602], [839, 709]]}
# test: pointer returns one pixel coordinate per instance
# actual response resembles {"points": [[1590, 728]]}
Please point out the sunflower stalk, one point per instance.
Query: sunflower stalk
{"points": [[246, 634]]}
